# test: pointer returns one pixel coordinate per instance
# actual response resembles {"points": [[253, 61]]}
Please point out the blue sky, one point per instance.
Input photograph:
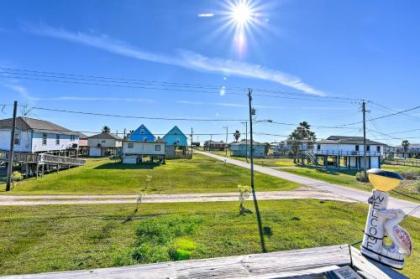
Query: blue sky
{"points": [[353, 49]]}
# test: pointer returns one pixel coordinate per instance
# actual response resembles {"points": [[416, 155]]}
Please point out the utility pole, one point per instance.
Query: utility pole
{"points": [[226, 144], [364, 137], [12, 145], [246, 140], [257, 211], [192, 133]]}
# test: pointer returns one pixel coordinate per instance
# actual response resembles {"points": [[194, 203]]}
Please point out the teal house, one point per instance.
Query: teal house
{"points": [[142, 134], [175, 137]]}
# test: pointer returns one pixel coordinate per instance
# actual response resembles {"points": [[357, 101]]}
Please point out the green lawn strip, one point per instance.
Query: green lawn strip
{"points": [[268, 162], [199, 175], [51, 238]]}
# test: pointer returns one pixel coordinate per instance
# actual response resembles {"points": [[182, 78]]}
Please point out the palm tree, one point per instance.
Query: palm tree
{"points": [[301, 133], [106, 129], [237, 135], [405, 145]]}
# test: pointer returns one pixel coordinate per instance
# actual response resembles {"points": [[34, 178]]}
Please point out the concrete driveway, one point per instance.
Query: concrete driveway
{"points": [[345, 192]]}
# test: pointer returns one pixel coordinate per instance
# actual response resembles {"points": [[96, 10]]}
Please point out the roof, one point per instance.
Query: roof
{"points": [[175, 131], [105, 136], [247, 142], [142, 133], [348, 140], [27, 123]]}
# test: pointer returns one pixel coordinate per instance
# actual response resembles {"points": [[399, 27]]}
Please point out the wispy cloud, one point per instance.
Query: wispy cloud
{"points": [[225, 104], [183, 58], [99, 99], [205, 15]]}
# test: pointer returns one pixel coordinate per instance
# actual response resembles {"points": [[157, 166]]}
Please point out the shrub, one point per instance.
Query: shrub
{"points": [[16, 176], [362, 177], [181, 249]]}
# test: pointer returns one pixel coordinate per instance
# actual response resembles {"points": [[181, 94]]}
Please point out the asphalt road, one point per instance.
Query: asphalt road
{"points": [[345, 192]]}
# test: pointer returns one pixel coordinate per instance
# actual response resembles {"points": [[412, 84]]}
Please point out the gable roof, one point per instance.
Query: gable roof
{"points": [[348, 140], [140, 133], [27, 123], [105, 136], [175, 131], [247, 142]]}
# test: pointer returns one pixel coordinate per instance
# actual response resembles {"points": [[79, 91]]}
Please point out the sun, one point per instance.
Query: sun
{"points": [[241, 13]]}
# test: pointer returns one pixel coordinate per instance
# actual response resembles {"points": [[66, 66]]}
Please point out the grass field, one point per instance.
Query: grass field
{"points": [[51, 238], [102, 176]]}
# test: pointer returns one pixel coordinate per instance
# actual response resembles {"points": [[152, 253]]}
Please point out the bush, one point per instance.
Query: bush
{"points": [[362, 177], [182, 249], [17, 176]]}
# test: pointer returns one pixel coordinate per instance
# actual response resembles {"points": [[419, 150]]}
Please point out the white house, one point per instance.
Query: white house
{"points": [[35, 136], [134, 152], [104, 144], [348, 152]]}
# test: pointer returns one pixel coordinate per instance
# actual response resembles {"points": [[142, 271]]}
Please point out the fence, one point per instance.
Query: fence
{"points": [[403, 162]]}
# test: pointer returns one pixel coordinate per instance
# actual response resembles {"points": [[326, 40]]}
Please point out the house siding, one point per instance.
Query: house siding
{"points": [[32, 141]]}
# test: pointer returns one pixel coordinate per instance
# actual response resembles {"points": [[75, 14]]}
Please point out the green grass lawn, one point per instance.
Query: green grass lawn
{"points": [[103, 176], [268, 162], [51, 238]]}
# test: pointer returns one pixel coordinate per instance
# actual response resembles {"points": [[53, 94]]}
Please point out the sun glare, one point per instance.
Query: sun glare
{"points": [[241, 13]]}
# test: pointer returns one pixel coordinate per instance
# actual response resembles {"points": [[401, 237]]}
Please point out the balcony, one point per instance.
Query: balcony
{"points": [[346, 153]]}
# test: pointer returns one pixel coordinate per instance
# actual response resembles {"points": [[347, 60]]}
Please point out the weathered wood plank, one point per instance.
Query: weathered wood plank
{"points": [[372, 270], [269, 265]]}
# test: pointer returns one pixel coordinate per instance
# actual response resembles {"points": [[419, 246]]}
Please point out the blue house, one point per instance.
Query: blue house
{"points": [[243, 148], [142, 134], [175, 137]]}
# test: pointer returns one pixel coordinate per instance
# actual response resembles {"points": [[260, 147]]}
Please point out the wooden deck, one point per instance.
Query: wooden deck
{"points": [[42, 158], [305, 263]]}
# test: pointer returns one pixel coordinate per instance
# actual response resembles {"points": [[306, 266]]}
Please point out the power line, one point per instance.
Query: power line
{"points": [[133, 116], [7, 72]]}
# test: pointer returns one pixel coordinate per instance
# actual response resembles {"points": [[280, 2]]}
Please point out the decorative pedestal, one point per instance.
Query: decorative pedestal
{"points": [[373, 241]]}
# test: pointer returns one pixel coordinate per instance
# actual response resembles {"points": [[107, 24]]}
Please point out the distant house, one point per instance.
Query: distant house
{"points": [[83, 144], [214, 145], [348, 152], [176, 144], [36, 136], [135, 152], [175, 137], [141, 134], [413, 151], [104, 144], [243, 148]]}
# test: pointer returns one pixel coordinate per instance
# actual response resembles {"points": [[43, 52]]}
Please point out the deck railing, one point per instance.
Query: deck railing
{"points": [[346, 153], [53, 159], [43, 158]]}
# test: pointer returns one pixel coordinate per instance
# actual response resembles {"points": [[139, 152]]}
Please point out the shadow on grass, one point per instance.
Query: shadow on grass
{"points": [[121, 166], [330, 170]]}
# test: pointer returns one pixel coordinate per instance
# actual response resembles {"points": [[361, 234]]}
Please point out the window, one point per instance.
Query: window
{"points": [[318, 147], [103, 141], [378, 149], [368, 148], [357, 148], [44, 139], [157, 147], [130, 145], [72, 137], [57, 139], [17, 138]]}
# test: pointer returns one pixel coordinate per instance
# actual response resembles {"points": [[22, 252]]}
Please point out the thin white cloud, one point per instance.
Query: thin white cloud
{"points": [[20, 89], [225, 104], [222, 91], [99, 99], [185, 59], [205, 15]]}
